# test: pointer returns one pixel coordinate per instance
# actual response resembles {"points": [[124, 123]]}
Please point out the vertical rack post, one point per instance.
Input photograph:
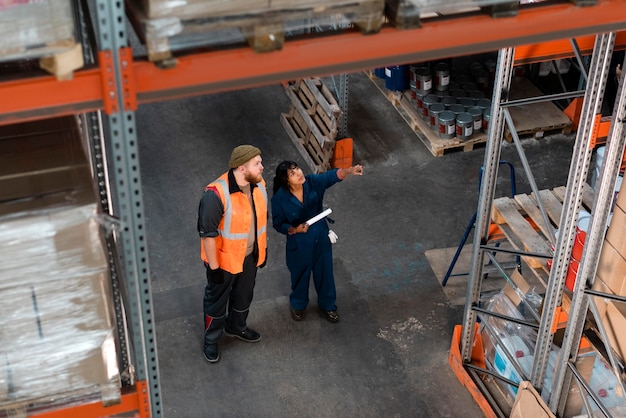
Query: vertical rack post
{"points": [[495, 132], [593, 245], [342, 98], [577, 178], [128, 194]]}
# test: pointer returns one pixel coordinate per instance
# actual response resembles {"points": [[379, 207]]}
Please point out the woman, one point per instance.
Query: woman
{"points": [[297, 198]]}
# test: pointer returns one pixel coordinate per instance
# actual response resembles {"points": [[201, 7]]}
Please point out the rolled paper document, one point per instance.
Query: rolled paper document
{"points": [[319, 216]]}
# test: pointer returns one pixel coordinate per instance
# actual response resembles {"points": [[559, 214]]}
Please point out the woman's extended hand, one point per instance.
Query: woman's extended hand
{"points": [[356, 170]]}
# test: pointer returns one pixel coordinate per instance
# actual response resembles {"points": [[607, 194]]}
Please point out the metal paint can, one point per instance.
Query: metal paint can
{"points": [[423, 80], [442, 76], [464, 126], [483, 103], [434, 111], [477, 115], [486, 119], [456, 108], [448, 100], [467, 102], [446, 125], [397, 77], [426, 102], [419, 102], [412, 90]]}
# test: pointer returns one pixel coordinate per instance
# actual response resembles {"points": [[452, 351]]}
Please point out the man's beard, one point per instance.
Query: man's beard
{"points": [[253, 179]]}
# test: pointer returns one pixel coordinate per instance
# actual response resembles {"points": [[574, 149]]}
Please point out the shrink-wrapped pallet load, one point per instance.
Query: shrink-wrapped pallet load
{"points": [[57, 339], [263, 24], [41, 29]]}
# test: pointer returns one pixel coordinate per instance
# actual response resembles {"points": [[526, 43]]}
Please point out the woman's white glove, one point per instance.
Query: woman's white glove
{"points": [[332, 236]]}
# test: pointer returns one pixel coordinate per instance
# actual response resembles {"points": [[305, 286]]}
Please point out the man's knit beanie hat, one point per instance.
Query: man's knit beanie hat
{"points": [[242, 154]]}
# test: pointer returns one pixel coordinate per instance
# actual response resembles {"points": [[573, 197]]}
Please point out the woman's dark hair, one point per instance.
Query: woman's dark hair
{"points": [[282, 174]]}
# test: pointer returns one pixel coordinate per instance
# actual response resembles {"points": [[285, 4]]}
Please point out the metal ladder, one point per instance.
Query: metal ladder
{"points": [[472, 224]]}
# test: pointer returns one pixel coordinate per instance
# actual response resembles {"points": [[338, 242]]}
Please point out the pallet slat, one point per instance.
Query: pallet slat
{"points": [[509, 211]]}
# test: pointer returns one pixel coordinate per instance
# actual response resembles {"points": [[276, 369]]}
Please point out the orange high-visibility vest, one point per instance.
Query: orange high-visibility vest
{"points": [[235, 225]]}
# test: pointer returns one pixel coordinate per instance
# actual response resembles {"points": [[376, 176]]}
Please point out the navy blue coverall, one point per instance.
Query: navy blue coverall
{"points": [[310, 252]]}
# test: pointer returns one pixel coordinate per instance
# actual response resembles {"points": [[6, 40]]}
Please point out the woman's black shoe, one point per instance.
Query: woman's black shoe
{"points": [[296, 314]]}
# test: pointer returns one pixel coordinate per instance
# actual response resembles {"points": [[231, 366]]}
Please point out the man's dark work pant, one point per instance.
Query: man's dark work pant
{"points": [[227, 304]]}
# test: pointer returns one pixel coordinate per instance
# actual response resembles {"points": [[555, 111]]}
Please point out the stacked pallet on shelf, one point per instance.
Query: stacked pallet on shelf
{"points": [[56, 317], [312, 121], [262, 23], [407, 14], [42, 30]]}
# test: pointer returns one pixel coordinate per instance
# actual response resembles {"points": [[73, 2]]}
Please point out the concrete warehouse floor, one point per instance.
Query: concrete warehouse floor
{"points": [[387, 357]]}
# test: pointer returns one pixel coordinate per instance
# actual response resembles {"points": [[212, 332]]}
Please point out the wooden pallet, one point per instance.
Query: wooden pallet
{"points": [[535, 120], [312, 121], [316, 155], [520, 219], [262, 24], [318, 102]]}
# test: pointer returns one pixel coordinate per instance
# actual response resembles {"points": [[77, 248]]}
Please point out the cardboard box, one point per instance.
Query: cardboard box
{"points": [[615, 325], [522, 286], [612, 269], [528, 403], [616, 234]]}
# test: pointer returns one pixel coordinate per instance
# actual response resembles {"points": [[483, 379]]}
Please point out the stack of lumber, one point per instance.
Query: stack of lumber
{"points": [[312, 121]]}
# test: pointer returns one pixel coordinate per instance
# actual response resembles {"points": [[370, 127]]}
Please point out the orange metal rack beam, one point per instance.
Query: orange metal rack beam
{"points": [[343, 52], [134, 400]]}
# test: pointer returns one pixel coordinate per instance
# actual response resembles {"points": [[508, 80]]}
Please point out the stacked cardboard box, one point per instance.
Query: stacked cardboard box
{"points": [[57, 341], [611, 276]]}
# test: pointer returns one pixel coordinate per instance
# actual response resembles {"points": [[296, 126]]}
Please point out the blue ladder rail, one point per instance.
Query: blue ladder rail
{"points": [[472, 223]]}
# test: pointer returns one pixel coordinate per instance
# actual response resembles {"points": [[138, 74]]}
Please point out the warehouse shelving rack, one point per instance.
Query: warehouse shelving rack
{"points": [[120, 82], [551, 306]]}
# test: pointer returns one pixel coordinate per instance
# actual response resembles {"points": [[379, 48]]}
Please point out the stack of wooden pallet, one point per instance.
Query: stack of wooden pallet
{"points": [[312, 121]]}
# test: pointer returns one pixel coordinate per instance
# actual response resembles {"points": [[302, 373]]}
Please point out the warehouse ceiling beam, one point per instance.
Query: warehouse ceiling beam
{"points": [[536, 28]]}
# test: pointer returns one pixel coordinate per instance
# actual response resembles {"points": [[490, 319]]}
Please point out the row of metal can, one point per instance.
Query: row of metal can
{"points": [[450, 119]]}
